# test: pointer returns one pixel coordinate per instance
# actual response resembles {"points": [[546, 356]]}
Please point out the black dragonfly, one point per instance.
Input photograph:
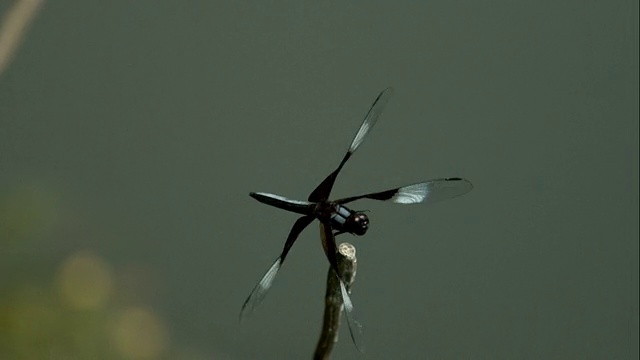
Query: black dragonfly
{"points": [[335, 218]]}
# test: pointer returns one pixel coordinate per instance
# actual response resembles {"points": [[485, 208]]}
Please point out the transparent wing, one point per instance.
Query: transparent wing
{"points": [[329, 245], [323, 190], [428, 192], [260, 290], [371, 118]]}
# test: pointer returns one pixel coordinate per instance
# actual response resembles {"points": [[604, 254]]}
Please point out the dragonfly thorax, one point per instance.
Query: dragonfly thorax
{"points": [[345, 220]]}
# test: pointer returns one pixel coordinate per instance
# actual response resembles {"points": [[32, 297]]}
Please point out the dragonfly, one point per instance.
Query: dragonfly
{"points": [[336, 218]]}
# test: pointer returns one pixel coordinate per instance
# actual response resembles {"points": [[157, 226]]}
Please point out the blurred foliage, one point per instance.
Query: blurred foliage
{"points": [[75, 304], [74, 316], [25, 213]]}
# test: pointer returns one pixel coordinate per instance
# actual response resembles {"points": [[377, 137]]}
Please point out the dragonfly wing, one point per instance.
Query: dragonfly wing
{"points": [[260, 290], [281, 202], [323, 190], [425, 192]]}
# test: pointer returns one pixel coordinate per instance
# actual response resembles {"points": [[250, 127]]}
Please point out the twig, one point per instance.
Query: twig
{"points": [[347, 264]]}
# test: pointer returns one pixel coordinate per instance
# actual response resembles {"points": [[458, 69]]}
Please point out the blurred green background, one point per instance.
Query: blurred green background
{"points": [[132, 131]]}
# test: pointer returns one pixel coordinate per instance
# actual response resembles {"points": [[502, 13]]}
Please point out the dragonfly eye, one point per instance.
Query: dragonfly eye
{"points": [[359, 224]]}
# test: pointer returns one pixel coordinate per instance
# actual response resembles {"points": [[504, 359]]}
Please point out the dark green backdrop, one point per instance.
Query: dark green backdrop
{"points": [[131, 133]]}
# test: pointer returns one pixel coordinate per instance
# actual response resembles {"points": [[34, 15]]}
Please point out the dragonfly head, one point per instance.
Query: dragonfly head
{"points": [[357, 223]]}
